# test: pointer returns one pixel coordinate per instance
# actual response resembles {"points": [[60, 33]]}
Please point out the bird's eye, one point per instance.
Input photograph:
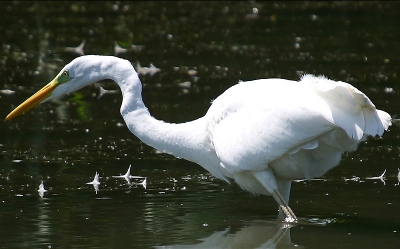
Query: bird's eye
{"points": [[64, 77]]}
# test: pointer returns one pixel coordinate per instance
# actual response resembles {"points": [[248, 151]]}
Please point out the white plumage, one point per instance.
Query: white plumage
{"points": [[262, 133]]}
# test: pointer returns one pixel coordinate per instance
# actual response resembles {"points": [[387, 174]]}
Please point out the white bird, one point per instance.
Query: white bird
{"points": [[261, 133]]}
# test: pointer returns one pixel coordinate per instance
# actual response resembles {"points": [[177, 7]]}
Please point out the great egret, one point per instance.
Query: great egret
{"points": [[261, 133]]}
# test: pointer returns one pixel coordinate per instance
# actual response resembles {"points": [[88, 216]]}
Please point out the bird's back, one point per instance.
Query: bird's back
{"points": [[300, 129]]}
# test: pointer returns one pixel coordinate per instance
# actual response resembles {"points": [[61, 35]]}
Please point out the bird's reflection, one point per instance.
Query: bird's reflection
{"points": [[257, 234]]}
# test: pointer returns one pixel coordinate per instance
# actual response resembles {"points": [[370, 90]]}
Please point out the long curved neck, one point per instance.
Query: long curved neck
{"points": [[181, 140]]}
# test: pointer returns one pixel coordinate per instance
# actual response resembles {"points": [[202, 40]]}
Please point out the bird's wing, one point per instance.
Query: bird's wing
{"points": [[351, 109], [259, 126], [251, 138]]}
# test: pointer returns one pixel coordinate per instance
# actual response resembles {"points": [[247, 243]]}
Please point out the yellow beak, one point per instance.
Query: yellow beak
{"points": [[34, 100]]}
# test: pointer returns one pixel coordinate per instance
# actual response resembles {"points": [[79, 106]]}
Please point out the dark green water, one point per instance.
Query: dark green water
{"points": [[212, 45]]}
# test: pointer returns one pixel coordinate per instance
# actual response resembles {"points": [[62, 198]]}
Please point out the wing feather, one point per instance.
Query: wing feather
{"points": [[257, 122]]}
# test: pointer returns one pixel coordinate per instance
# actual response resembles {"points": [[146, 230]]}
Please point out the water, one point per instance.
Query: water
{"points": [[212, 45]]}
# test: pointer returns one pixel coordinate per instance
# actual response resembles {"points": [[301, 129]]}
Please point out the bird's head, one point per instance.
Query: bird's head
{"points": [[80, 72]]}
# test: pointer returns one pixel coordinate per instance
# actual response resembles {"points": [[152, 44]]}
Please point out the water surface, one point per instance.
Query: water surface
{"points": [[201, 49]]}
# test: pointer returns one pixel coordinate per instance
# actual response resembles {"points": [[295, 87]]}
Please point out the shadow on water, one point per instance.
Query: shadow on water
{"points": [[198, 50]]}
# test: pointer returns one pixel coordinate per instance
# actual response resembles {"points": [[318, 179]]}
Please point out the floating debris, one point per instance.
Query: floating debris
{"points": [[137, 48], [120, 50], [398, 175], [127, 176], [354, 178], [143, 183], [381, 177], [78, 49], [151, 70], [314, 179], [7, 91], [103, 91], [185, 84], [95, 182], [41, 190], [45, 66], [191, 72], [253, 15], [388, 90]]}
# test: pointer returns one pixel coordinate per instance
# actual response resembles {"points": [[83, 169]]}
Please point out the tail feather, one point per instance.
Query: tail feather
{"points": [[385, 118], [351, 109], [376, 122]]}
